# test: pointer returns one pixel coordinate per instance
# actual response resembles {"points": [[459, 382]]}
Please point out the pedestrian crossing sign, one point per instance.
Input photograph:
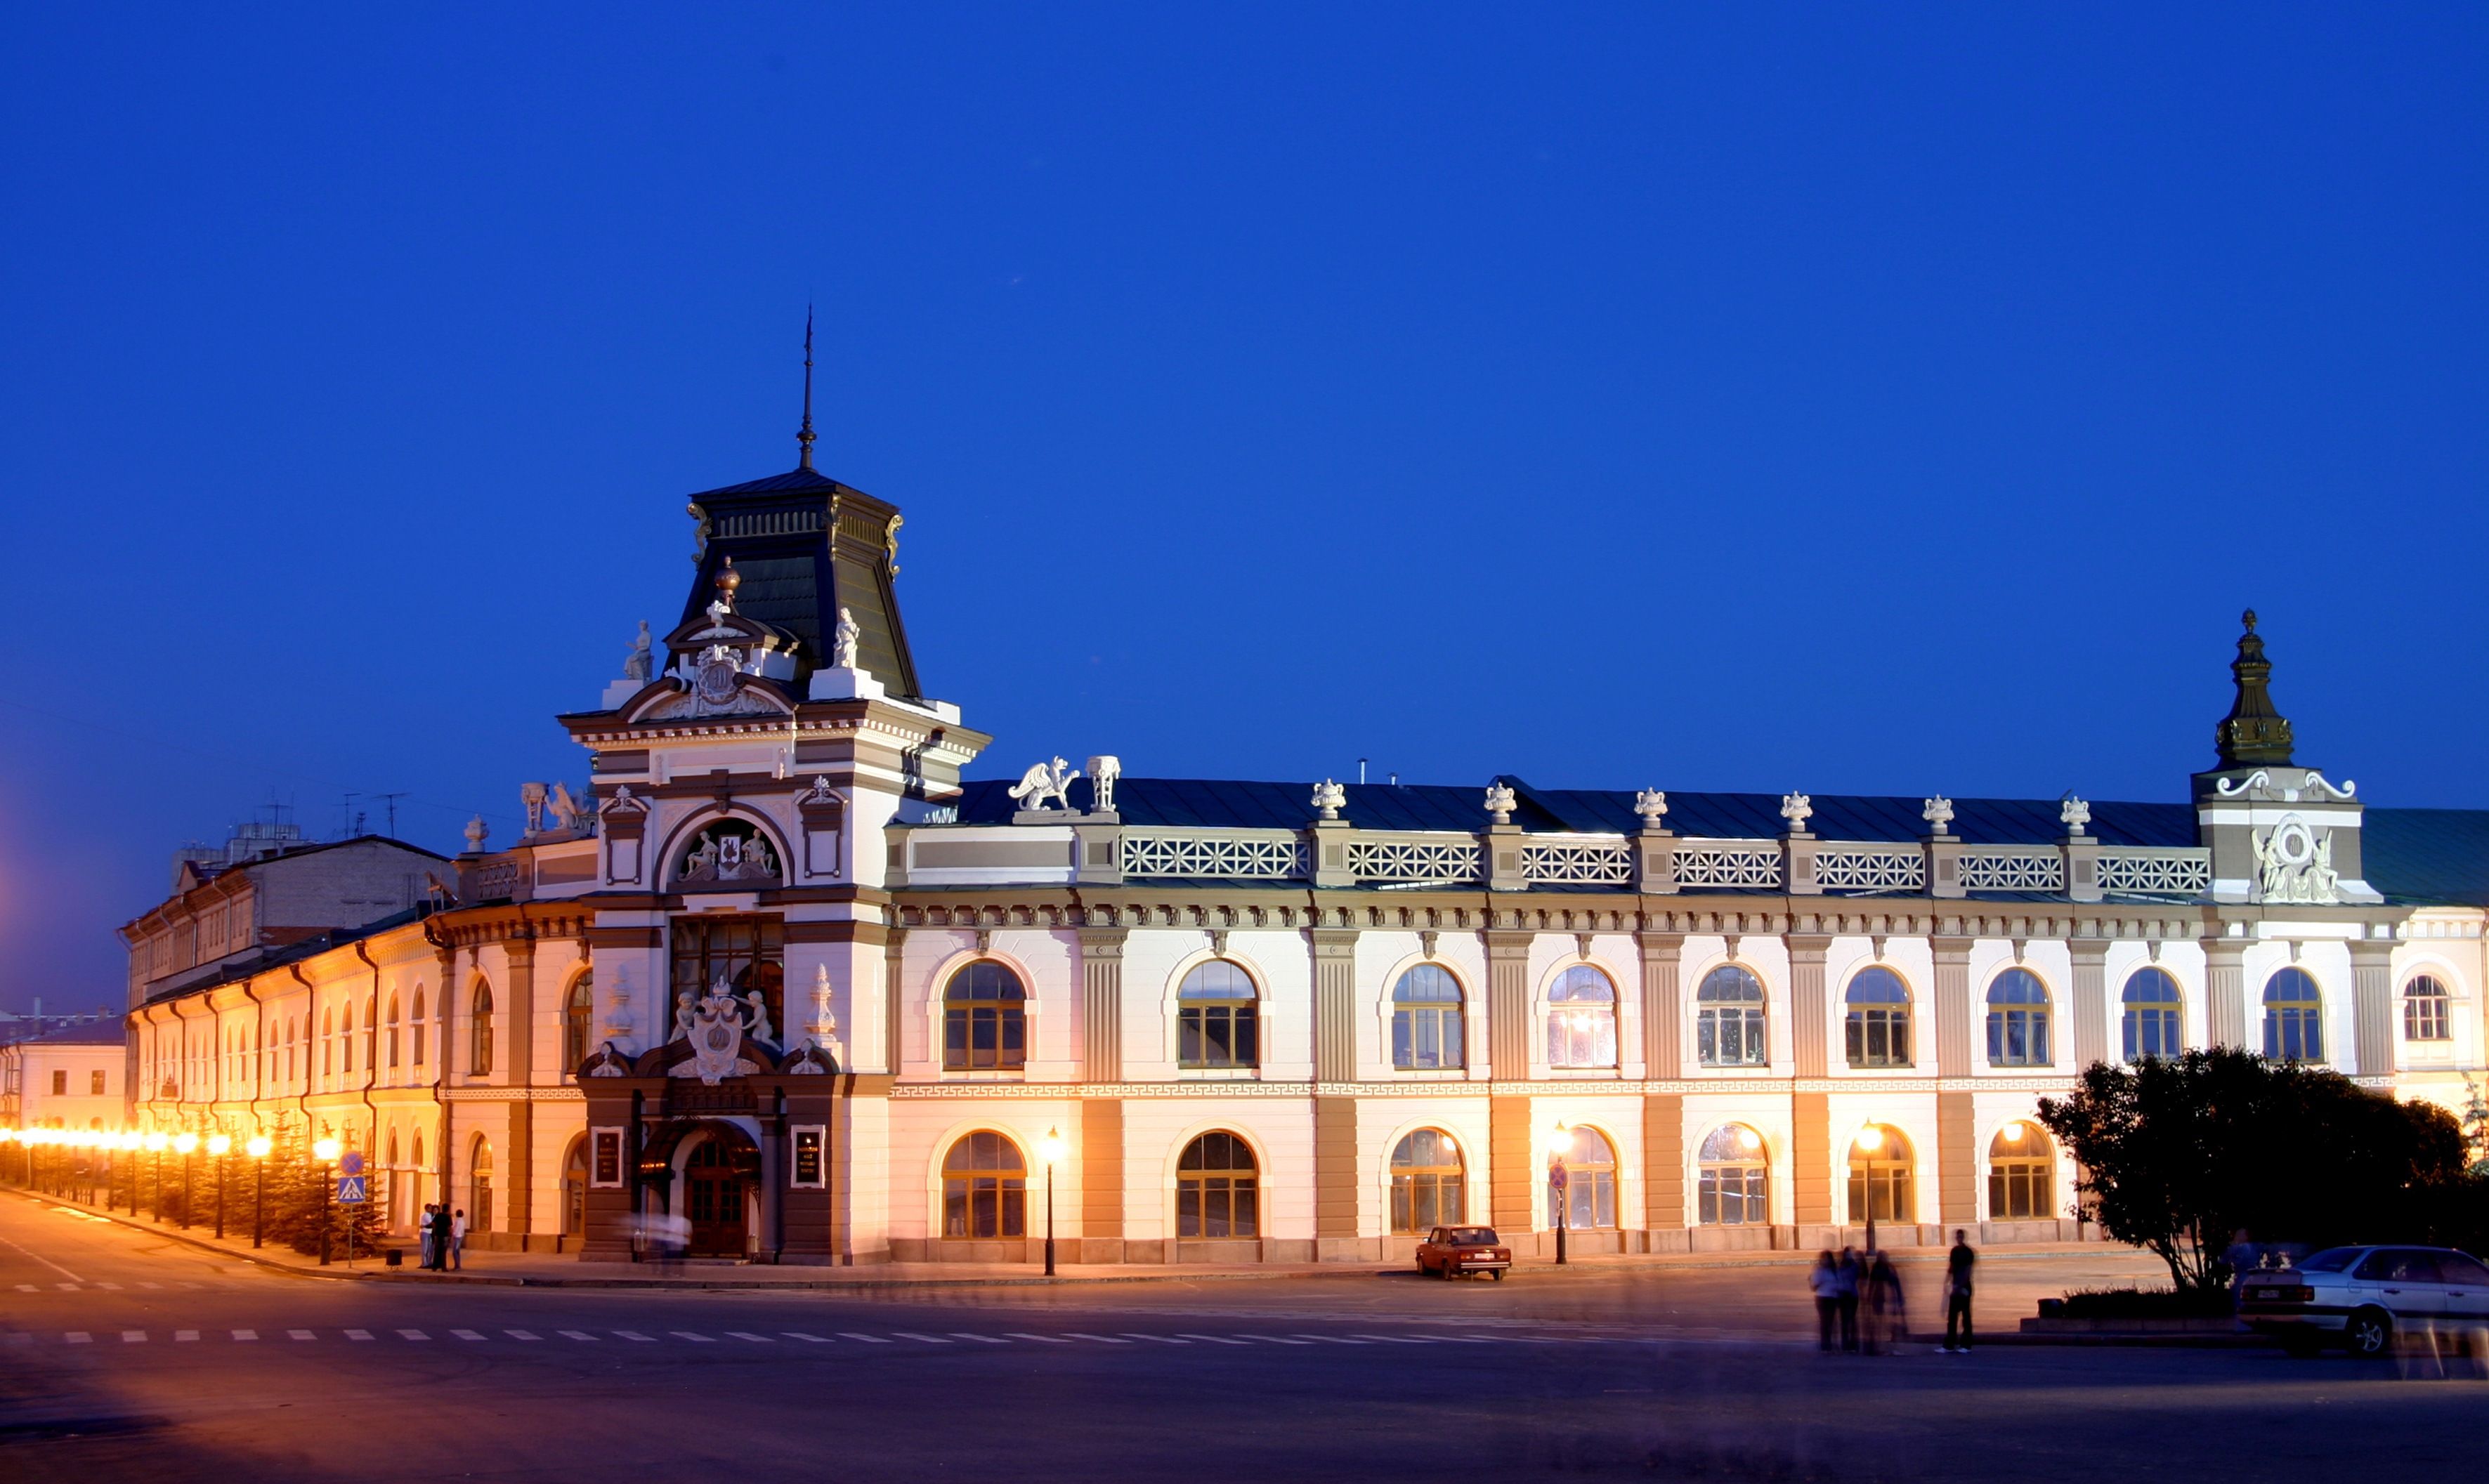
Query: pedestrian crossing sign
{"points": [[350, 1190]]}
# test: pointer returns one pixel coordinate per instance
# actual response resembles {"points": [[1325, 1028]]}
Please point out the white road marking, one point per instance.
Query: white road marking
{"points": [[981, 1339], [1044, 1339], [133, 1337], [757, 1339], [929, 1339], [1327, 1340], [115, 1287], [468, 1335], [1396, 1339], [301, 1334], [628, 1334], [1211, 1338], [1103, 1339], [245, 1334], [576, 1335], [81, 1338], [1160, 1338], [45, 1261], [685, 1335], [869, 1339], [1273, 1339], [182, 1335], [521, 1334], [66, 1288], [27, 1288], [798, 1334], [413, 1334], [359, 1334]]}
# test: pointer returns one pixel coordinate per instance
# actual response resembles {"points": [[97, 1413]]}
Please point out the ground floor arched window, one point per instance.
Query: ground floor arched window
{"points": [[1217, 1191], [985, 1187], [1588, 1195], [479, 1183], [1425, 1182], [2020, 1186], [1881, 1181], [1730, 1183]]}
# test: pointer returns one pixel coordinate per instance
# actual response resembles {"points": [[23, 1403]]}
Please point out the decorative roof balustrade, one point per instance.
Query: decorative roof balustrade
{"points": [[2182, 872], [1274, 855], [1407, 859], [1846, 865], [1596, 859], [1729, 864], [2013, 869]]}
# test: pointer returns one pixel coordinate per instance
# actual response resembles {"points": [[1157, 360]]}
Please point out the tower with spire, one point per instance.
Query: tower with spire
{"points": [[2279, 832]]}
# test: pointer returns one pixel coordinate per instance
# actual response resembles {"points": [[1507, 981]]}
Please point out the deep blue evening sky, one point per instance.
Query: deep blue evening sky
{"points": [[1889, 400]]}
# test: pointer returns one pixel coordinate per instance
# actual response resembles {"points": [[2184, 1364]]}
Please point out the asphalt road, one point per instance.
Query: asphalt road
{"points": [[125, 1356]]}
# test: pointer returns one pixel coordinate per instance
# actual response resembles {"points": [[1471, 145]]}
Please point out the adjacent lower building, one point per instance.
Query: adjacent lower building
{"points": [[779, 985]]}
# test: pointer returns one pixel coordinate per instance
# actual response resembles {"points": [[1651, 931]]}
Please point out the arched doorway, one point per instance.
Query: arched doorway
{"points": [[719, 1177], [574, 1189]]}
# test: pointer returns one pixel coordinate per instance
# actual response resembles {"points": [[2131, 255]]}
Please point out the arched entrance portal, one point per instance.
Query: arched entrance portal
{"points": [[720, 1179]]}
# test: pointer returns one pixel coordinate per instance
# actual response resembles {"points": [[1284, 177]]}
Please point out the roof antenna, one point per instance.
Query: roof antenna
{"points": [[804, 438]]}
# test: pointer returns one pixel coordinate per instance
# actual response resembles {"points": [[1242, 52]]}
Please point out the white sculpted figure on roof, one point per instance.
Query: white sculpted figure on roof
{"points": [[1103, 771], [2075, 814], [1499, 802], [1938, 813], [636, 666], [2295, 863], [1652, 805], [1042, 782], [1796, 809], [1331, 798], [843, 641]]}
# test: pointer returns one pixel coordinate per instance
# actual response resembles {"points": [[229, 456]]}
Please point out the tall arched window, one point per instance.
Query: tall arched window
{"points": [[2294, 1017], [578, 1015], [1880, 1175], [984, 1187], [1215, 1017], [1728, 1018], [1581, 1020], [985, 1026], [396, 1186], [1426, 1020], [2152, 1015], [479, 1186], [2429, 1010], [328, 1043], [1425, 1182], [416, 1025], [346, 1052], [1878, 1024], [1588, 1194], [392, 1033], [479, 1031], [1217, 1191], [2017, 1020], [1730, 1179], [2020, 1187]]}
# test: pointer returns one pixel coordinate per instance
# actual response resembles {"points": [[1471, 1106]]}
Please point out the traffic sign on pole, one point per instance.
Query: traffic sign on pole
{"points": [[351, 1163], [350, 1190]]}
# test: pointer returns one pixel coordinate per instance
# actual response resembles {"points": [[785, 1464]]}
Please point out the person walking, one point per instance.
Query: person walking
{"points": [[1826, 1279], [1958, 1265], [1887, 1314], [458, 1239], [1845, 1292], [424, 1231]]}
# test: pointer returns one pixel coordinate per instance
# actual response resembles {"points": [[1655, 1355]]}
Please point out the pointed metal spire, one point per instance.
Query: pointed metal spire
{"points": [[2253, 733], [804, 437]]}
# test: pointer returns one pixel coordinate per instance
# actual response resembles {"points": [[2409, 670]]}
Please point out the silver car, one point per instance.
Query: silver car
{"points": [[2359, 1298]]}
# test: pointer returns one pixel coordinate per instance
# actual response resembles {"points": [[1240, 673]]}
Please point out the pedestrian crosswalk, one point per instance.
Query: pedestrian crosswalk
{"points": [[954, 1340]]}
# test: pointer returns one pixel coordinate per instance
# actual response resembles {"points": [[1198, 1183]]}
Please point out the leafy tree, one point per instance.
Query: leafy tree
{"points": [[2179, 1153]]}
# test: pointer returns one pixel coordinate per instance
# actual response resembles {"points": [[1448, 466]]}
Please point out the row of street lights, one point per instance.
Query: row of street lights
{"points": [[219, 1146]]}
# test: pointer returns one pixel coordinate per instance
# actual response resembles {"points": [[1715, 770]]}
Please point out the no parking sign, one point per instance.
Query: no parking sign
{"points": [[351, 1190]]}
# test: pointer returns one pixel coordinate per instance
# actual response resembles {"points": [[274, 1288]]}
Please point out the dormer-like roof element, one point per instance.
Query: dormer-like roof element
{"points": [[807, 546]]}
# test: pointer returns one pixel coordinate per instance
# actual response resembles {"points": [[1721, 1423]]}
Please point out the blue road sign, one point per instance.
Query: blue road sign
{"points": [[351, 1164], [350, 1190]]}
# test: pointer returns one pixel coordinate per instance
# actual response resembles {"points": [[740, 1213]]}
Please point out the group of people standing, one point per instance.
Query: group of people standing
{"points": [[1859, 1304], [444, 1237]]}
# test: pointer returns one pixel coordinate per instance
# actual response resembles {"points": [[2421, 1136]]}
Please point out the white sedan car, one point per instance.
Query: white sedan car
{"points": [[2359, 1298]]}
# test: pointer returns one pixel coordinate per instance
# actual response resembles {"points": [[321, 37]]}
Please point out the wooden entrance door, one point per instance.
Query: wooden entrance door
{"points": [[717, 1180]]}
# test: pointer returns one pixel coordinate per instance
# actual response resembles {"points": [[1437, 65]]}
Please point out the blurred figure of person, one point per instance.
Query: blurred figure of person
{"points": [[2242, 1256], [1826, 1279], [423, 1230], [1958, 1265], [1846, 1290], [1888, 1321], [458, 1238]]}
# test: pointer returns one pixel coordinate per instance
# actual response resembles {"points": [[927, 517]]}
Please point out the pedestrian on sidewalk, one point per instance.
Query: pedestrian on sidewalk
{"points": [[1958, 1265], [440, 1238], [423, 1230], [1826, 1279], [1887, 1314], [458, 1239], [1845, 1292]]}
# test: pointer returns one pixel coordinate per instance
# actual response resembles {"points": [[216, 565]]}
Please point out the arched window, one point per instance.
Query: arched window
{"points": [[1880, 1018], [2152, 1015], [1588, 1195], [392, 1033], [1581, 1020], [347, 1051], [2294, 1017], [396, 1186], [479, 1184], [1728, 1018], [416, 1025], [2019, 1186], [1426, 1020], [479, 1029], [328, 1043], [1215, 1021], [578, 1013], [1730, 1179], [984, 1186], [574, 1188], [1425, 1182], [1215, 1191], [1880, 1175], [2017, 1020], [984, 1027], [2429, 1010]]}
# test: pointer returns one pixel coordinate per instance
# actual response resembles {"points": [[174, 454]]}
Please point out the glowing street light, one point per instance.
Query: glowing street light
{"points": [[326, 1151], [1870, 1139], [1560, 1184], [1051, 1150], [220, 1144]]}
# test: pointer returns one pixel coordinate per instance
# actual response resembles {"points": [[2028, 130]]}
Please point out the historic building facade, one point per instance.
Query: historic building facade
{"points": [[780, 984]]}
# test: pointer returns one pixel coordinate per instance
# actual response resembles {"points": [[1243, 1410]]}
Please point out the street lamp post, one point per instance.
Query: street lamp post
{"points": [[156, 1143], [1871, 1139], [1050, 1148], [1559, 1181], [186, 1146], [259, 1146], [326, 1151], [220, 1144]]}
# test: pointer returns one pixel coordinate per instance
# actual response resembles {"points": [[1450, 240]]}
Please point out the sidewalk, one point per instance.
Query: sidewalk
{"points": [[548, 1271]]}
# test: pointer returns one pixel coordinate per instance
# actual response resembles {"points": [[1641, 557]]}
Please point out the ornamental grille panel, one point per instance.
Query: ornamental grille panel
{"points": [[2188, 874], [496, 881], [1868, 869], [1454, 859], [1226, 853], [771, 523], [2012, 870], [1602, 862], [1730, 866]]}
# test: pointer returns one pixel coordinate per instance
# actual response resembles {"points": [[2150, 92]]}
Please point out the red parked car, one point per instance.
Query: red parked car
{"points": [[1450, 1252]]}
